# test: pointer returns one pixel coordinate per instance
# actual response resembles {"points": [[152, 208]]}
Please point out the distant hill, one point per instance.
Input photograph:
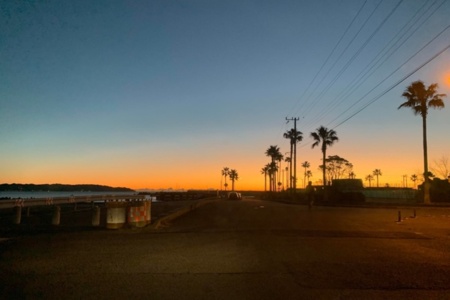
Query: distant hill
{"points": [[29, 187]]}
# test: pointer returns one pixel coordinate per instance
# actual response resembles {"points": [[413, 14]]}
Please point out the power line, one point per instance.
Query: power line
{"points": [[374, 64], [358, 52], [329, 55], [369, 70], [313, 103], [392, 73], [394, 85]]}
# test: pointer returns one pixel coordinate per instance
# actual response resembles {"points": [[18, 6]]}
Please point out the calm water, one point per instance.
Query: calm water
{"points": [[41, 194]]}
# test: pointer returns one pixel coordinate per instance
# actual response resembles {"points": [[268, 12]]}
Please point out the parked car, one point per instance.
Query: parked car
{"points": [[234, 196]]}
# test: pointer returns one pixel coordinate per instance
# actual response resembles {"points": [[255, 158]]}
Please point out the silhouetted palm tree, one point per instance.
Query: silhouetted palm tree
{"points": [[273, 168], [327, 137], [294, 137], [308, 174], [225, 172], [287, 174], [273, 152], [369, 178], [288, 135], [233, 176], [420, 99], [305, 165], [265, 171], [377, 172], [288, 171], [279, 159], [414, 179]]}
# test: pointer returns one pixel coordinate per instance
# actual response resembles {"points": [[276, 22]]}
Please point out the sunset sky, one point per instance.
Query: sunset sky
{"points": [[164, 94]]}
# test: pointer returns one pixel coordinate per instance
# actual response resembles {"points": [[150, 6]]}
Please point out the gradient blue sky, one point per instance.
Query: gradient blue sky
{"points": [[159, 94]]}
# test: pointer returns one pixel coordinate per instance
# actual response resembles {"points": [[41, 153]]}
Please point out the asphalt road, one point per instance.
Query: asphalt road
{"points": [[246, 249]]}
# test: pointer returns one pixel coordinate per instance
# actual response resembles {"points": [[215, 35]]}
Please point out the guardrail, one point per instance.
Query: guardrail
{"points": [[134, 209], [65, 200]]}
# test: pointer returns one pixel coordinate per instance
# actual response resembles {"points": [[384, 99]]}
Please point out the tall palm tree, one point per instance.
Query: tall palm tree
{"points": [[273, 152], [288, 135], [308, 174], [420, 98], [294, 137], [233, 176], [225, 173], [369, 178], [305, 165], [279, 159], [265, 171], [327, 137], [414, 179], [273, 168], [377, 172], [288, 171]]}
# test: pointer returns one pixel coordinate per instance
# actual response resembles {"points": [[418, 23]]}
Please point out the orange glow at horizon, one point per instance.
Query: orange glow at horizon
{"points": [[210, 179], [139, 172]]}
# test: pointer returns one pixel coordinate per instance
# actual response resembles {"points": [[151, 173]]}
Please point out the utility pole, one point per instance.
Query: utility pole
{"points": [[295, 154]]}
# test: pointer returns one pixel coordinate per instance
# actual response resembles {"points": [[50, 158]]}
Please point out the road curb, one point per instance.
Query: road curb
{"points": [[182, 211]]}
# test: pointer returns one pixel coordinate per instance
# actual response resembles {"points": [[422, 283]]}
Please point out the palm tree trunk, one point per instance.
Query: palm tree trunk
{"points": [[278, 176], [287, 180], [274, 175], [295, 168], [290, 168], [325, 190], [324, 167], [426, 185], [304, 179], [265, 182]]}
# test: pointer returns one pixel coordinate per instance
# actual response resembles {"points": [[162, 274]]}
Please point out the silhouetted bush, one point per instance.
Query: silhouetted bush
{"points": [[439, 191]]}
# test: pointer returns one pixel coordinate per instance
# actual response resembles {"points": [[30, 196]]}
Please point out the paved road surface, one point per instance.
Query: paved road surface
{"points": [[242, 250]]}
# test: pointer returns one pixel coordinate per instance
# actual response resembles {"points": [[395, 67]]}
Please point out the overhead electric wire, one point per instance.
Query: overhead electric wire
{"points": [[357, 53], [394, 85], [363, 76], [312, 103], [392, 73], [373, 100], [325, 62], [329, 55], [374, 66]]}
